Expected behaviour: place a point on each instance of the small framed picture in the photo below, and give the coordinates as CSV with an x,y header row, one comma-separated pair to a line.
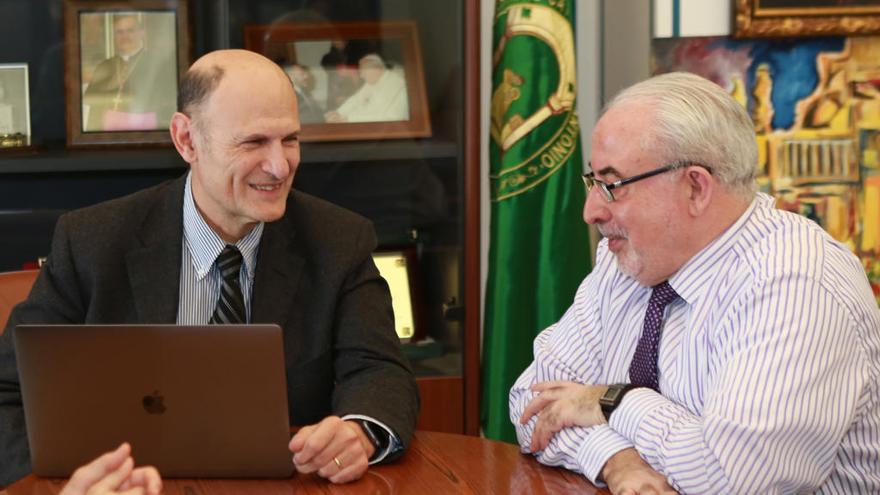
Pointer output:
x,y
15,114
783,18
122,62
353,80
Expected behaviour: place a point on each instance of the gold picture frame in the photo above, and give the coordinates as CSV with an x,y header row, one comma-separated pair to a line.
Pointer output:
x,y
122,62
15,107
354,80
783,18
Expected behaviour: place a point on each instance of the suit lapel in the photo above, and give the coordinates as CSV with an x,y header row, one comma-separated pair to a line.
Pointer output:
x,y
154,268
279,268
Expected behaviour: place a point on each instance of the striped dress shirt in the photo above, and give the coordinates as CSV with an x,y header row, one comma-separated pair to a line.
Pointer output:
x,y
769,366
200,278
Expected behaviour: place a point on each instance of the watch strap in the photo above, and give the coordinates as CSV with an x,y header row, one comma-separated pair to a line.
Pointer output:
x,y
376,435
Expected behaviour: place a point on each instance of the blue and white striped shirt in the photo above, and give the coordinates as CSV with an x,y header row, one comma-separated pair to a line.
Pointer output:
x,y
200,279
769,366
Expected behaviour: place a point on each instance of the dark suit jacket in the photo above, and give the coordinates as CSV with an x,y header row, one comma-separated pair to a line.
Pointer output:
x,y
119,262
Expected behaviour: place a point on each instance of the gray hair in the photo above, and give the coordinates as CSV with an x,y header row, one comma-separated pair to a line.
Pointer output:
x,y
696,122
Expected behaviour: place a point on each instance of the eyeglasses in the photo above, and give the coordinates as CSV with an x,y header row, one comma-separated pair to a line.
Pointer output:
x,y
590,180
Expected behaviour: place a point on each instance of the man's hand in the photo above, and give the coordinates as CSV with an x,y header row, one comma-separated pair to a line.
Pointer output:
x,y
338,450
114,473
559,405
627,474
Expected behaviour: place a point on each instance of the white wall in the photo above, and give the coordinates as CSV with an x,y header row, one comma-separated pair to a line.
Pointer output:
x,y
696,18
487,17
626,44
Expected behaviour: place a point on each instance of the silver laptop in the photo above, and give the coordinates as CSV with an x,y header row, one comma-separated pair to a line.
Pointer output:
x,y
194,401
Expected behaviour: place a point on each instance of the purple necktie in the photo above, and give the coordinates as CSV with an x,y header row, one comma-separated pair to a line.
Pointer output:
x,y
643,369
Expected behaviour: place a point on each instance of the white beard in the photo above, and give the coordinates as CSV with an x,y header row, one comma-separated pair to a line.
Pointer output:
x,y
629,263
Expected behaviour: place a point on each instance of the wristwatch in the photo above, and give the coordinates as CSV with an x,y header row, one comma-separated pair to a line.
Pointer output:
x,y
612,397
376,435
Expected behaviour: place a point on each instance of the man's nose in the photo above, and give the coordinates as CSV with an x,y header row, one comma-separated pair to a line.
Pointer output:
x,y
275,162
596,207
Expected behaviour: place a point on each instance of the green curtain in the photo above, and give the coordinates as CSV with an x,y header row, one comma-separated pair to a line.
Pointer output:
x,y
539,250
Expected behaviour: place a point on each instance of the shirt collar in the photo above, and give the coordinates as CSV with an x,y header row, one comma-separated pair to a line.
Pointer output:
x,y
205,245
691,277
132,55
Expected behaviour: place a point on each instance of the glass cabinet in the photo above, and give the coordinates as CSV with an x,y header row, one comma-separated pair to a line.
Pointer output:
x,y
415,174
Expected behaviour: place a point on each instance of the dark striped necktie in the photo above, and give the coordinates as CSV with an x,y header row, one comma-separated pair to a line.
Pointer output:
x,y
643,368
230,305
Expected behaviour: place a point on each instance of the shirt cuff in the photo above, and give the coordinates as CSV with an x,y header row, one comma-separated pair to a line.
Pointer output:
x,y
601,443
636,405
394,443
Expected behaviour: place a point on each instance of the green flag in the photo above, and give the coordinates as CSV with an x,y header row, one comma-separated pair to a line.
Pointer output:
x,y
539,250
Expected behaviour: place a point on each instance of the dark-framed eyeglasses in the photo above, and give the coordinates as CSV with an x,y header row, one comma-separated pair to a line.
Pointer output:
x,y
606,187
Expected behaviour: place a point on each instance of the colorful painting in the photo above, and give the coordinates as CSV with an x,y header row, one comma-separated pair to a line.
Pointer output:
x,y
815,105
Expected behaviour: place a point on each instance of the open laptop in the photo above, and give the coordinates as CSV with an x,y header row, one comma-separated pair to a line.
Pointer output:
x,y
194,401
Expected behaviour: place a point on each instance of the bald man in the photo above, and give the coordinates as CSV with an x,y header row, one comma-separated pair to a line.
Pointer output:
x,y
306,265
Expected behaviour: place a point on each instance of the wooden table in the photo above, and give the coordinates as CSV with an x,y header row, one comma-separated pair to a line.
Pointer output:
x,y
436,464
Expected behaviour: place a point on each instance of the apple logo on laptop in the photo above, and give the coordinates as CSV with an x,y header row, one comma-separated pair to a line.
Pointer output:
x,y
154,403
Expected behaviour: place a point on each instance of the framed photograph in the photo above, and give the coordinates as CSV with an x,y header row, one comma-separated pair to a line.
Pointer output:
x,y
398,268
780,18
15,114
356,80
122,62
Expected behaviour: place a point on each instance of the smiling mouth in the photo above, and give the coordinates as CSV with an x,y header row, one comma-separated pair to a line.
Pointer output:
x,y
267,187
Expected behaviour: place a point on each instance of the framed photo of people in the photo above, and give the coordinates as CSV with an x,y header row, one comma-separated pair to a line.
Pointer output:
x,y
783,18
15,115
122,62
353,80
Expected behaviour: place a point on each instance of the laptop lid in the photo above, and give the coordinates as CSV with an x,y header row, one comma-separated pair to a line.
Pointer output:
x,y
194,401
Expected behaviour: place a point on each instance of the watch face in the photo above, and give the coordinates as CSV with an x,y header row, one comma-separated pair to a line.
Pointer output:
x,y
612,394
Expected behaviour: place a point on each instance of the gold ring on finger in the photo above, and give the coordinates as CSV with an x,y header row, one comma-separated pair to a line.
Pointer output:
x,y
338,463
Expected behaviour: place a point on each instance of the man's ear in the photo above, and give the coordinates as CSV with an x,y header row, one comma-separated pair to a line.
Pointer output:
x,y
701,188
182,136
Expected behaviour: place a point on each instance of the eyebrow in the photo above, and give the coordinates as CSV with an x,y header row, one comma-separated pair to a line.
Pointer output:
x,y
608,170
258,136
250,137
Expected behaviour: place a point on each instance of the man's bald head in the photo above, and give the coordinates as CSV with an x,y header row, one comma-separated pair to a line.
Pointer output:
x,y
238,128
205,75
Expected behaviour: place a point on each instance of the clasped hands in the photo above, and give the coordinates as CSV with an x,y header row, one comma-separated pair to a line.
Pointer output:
x,y
559,405
562,404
